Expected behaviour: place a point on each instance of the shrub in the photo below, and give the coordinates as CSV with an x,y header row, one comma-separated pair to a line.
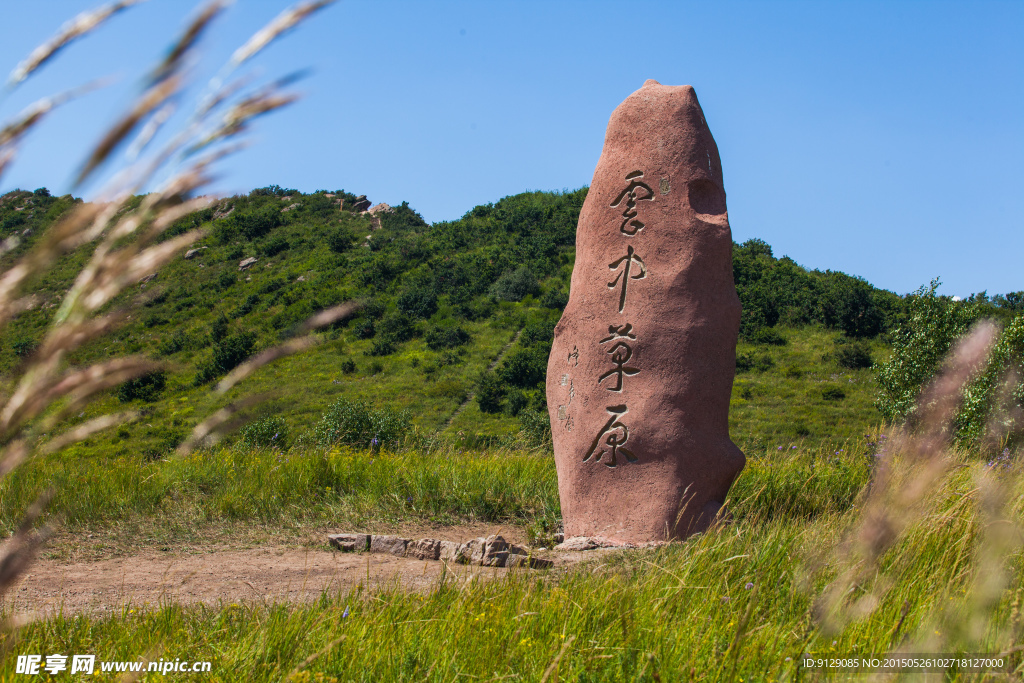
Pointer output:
x,y
179,341
515,285
246,306
226,279
768,336
364,329
746,362
446,337
833,394
228,354
515,401
219,328
266,432
23,347
538,333
479,308
396,325
348,366
523,368
490,393
554,298
256,224
274,246
383,346
854,355
339,240
145,387
418,302
356,424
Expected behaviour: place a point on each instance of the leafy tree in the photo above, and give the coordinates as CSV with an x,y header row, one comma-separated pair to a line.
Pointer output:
x,y
919,345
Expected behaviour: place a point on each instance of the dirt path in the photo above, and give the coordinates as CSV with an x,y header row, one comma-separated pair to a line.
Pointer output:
x,y
222,574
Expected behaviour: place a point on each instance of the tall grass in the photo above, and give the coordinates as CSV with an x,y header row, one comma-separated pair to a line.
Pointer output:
x,y
342,486
741,602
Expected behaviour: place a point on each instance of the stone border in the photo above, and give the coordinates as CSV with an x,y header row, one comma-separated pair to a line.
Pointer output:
x,y
492,551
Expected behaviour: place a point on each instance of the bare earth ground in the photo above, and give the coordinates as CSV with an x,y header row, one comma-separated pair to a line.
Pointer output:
x,y
103,573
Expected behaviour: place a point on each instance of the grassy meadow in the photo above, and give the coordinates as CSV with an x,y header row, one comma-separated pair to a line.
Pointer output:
x,y
743,601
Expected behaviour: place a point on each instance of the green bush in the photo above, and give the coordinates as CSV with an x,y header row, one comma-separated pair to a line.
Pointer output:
x,y
768,336
523,368
226,279
274,246
554,298
417,302
396,325
228,353
246,306
854,355
515,285
339,240
267,432
383,345
179,341
833,394
490,393
219,329
348,366
364,329
23,347
515,401
356,424
745,362
145,388
258,223
446,337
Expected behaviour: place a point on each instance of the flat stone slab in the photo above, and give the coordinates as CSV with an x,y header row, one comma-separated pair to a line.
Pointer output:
x,y
393,545
424,549
350,542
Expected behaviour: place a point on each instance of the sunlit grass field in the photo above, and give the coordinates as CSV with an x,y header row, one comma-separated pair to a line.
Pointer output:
x,y
743,601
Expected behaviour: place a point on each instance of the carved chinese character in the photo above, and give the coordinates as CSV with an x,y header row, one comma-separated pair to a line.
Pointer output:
x,y
630,257
574,357
615,435
620,353
636,191
619,331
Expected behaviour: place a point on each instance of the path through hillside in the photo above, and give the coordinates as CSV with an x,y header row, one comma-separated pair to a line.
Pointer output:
x,y
471,395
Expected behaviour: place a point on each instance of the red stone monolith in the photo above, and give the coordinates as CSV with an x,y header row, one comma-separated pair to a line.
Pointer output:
x,y
642,364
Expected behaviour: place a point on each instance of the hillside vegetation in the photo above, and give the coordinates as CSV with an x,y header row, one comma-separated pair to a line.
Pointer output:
x,y
454,330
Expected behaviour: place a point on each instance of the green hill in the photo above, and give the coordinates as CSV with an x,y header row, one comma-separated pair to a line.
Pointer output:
x,y
455,325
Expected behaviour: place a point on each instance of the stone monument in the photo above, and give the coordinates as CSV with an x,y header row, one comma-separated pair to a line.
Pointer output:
x,y
642,364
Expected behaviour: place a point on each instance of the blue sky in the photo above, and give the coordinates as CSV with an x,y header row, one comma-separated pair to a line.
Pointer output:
x,y
883,139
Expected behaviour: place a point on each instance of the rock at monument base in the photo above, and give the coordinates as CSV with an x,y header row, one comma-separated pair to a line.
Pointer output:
x,y
450,551
350,542
474,549
388,544
641,368
424,549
